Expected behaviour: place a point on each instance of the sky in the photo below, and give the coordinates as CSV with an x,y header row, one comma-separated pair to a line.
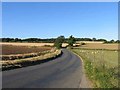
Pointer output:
x,y
52,19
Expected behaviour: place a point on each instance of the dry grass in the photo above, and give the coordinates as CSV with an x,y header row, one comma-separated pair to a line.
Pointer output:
x,y
100,46
11,52
20,54
30,44
89,41
26,44
14,49
18,62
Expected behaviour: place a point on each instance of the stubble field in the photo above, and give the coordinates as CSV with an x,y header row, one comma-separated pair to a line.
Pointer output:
x,y
100,46
17,49
17,55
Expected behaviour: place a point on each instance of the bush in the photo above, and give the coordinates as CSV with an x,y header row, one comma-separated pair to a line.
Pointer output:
x,y
58,45
59,41
71,40
83,43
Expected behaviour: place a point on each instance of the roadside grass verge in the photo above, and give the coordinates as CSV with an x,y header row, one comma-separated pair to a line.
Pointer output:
x,y
101,67
18,63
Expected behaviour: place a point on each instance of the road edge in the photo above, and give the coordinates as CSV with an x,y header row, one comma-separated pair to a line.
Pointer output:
x,y
85,82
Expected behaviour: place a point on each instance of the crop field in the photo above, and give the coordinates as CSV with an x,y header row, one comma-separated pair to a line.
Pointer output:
x,y
100,46
26,44
101,66
14,49
17,56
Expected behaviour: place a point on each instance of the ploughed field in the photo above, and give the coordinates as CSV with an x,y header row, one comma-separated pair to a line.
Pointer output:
x,y
14,49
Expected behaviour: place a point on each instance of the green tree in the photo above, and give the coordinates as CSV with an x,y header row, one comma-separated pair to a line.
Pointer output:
x,y
112,41
117,41
59,41
16,40
94,39
71,40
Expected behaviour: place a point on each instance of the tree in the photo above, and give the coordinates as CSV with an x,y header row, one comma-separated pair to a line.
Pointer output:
x,y
59,41
102,40
71,40
117,41
94,39
112,41
16,39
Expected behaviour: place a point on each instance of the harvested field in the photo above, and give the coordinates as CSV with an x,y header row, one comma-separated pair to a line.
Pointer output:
x,y
99,46
14,49
27,44
20,55
18,63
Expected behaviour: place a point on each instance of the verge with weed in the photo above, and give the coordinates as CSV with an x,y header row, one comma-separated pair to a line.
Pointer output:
x,y
101,67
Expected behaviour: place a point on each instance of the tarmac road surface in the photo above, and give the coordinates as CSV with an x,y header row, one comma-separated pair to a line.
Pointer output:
x,y
62,72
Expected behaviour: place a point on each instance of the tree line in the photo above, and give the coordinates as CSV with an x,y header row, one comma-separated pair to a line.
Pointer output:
x,y
27,40
57,41
52,40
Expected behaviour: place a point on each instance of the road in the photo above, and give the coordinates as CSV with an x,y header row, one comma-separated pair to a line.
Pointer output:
x,y
63,72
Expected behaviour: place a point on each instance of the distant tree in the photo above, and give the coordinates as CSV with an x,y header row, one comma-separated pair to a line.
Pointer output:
x,y
117,41
16,39
112,41
106,41
101,40
7,39
59,41
94,39
71,40
83,43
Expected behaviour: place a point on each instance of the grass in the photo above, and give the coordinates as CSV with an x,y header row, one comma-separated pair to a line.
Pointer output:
x,y
101,67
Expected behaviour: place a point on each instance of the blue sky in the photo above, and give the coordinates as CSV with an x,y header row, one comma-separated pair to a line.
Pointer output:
x,y
49,20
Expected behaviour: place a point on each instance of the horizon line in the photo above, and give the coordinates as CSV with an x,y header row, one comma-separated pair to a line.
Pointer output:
x,y
58,36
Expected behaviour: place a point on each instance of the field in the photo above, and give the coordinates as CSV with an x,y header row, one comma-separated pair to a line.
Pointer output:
x,y
101,66
21,54
27,44
88,45
14,49
95,45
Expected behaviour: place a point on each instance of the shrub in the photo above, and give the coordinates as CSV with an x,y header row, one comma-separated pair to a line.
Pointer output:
x,y
83,43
